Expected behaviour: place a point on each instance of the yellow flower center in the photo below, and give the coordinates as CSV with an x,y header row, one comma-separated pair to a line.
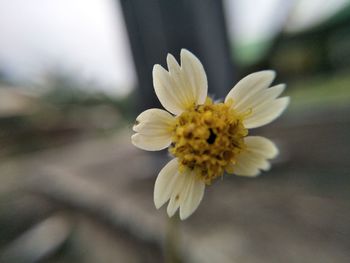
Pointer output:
x,y
207,139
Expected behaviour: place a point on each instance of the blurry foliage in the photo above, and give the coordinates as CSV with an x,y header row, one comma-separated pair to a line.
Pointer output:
x,y
321,91
321,49
67,91
68,108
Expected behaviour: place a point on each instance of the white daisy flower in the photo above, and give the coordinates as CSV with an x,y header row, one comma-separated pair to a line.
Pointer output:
x,y
205,138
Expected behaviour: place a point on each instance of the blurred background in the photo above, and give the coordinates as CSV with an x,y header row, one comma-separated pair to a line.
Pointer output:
x,y
75,74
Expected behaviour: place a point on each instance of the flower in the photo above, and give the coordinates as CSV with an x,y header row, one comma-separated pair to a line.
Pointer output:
x,y
205,138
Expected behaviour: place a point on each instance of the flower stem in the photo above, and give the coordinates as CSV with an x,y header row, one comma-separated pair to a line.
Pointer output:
x,y
171,247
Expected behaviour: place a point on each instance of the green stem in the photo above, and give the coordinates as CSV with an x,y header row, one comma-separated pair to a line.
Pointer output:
x,y
171,248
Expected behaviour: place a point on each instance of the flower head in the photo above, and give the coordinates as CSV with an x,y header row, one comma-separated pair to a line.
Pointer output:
x,y
206,139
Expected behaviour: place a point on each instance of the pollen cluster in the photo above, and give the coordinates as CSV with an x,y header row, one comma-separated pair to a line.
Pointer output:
x,y
207,139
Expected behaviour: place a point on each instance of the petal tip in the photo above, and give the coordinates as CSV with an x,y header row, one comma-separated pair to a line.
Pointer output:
x,y
184,217
274,152
287,99
270,71
155,67
266,74
171,211
134,127
136,140
157,204
284,104
133,137
170,59
185,51
157,70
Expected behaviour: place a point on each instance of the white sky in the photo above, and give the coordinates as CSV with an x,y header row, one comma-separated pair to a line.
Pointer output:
x,y
255,20
88,36
85,36
308,13
250,21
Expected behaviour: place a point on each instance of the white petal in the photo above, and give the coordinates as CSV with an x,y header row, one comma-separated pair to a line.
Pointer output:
x,y
153,121
149,142
192,198
182,190
261,97
182,86
244,168
164,184
255,157
181,180
166,92
262,146
266,113
194,75
252,95
153,129
250,85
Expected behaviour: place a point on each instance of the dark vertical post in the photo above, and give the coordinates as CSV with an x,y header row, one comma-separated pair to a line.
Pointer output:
x,y
213,45
148,44
158,27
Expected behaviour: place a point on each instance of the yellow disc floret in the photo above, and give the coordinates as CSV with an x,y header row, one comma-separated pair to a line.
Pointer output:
x,y
207,139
